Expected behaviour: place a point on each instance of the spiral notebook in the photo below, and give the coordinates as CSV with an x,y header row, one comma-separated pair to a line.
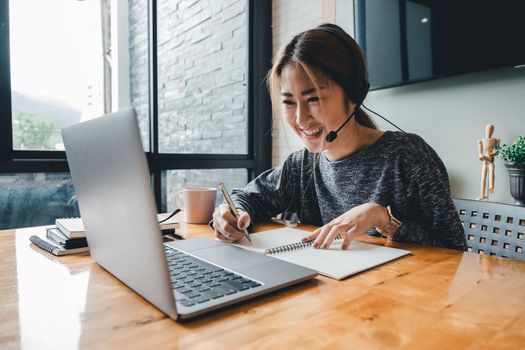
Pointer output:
x,y
54,248
285,244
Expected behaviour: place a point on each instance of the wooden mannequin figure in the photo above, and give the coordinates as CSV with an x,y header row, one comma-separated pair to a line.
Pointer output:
x,y
487,151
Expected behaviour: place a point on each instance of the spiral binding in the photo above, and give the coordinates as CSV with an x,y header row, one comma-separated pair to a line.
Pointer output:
x,y
292,246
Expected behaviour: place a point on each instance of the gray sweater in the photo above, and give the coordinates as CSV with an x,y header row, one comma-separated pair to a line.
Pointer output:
x,y
400,170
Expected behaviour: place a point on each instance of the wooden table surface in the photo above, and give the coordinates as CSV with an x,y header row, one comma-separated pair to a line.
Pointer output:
x,y
434,298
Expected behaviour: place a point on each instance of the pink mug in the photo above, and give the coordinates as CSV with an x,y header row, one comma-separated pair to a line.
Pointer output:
x,y
199,204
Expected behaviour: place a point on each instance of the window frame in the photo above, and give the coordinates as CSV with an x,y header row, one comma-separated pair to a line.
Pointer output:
x,y
259,111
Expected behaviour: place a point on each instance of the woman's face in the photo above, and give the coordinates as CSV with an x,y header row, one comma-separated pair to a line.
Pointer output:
x,y
301,105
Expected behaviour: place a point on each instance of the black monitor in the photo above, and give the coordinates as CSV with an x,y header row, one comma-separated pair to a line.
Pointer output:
x,y
407,41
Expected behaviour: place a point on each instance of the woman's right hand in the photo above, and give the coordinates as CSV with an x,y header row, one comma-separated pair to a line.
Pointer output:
x,y
227,227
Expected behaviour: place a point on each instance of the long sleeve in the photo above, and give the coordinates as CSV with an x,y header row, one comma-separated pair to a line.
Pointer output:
x,y
433,219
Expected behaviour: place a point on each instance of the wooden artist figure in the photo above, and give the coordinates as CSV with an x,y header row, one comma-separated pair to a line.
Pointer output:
x,y
487,151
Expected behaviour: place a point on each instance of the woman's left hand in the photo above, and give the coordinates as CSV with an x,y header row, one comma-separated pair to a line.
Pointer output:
x,y
354,222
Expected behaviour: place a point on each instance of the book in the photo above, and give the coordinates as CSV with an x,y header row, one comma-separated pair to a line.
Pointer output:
x,y
285,244
71,227
57,236
74,227
52,247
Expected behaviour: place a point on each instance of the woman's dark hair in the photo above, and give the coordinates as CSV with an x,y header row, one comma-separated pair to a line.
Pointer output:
x,y
325,51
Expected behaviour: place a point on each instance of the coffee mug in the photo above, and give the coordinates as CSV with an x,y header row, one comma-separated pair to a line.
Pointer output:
x,y
199,204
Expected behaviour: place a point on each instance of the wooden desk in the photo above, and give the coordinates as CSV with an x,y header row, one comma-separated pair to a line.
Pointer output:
x,y
436,298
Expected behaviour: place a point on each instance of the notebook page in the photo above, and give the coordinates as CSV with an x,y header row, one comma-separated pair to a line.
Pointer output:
x,y
272,239
337,263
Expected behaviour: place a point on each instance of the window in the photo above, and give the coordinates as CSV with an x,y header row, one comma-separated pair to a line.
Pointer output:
x,y
57,76
193,71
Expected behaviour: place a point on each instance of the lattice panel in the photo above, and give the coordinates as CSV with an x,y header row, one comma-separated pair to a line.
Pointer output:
x,y
493,228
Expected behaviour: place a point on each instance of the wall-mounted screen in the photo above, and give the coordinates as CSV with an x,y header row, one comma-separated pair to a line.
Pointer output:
x,y
406,41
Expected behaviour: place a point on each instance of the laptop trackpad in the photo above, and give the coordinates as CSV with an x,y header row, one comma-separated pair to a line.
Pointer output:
x,y
230,257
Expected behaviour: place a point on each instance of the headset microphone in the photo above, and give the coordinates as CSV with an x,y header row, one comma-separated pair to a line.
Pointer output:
x,y
361,88
332,135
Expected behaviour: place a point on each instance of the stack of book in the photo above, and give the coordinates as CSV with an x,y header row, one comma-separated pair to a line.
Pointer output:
x,y
68,235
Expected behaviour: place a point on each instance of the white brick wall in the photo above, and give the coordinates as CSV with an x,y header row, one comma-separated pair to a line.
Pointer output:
x,y
290,17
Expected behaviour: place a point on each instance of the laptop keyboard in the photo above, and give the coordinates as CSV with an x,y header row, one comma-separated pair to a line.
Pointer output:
x,y
199,281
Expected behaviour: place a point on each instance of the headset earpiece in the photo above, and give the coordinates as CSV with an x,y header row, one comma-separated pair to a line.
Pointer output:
x,y
364,91
359,89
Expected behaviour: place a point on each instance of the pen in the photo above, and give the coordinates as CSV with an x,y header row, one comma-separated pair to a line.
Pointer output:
x,y
234,211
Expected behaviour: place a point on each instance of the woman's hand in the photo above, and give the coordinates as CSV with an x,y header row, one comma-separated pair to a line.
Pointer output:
x,y
354,222
227,227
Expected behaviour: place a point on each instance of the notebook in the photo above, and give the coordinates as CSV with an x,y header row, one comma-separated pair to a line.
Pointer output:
x,y
54,248
74,227
285,244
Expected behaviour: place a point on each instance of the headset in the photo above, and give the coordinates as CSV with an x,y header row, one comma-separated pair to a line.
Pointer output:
x,y
360,87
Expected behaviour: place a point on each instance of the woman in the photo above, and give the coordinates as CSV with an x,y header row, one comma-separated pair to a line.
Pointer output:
x,y
350,177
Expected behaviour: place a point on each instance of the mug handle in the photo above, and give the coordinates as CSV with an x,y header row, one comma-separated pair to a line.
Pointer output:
x,y
178,203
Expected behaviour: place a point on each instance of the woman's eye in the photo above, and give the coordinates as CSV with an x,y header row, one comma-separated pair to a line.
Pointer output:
x,y
287,103
313,99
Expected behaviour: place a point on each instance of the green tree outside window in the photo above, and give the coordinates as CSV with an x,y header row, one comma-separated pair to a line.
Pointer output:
x,y
31,132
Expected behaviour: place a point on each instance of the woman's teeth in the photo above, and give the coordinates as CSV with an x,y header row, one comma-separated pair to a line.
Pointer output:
x,y
312,132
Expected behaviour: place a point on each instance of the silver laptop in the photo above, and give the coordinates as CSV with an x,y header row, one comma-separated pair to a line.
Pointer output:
x,y
183,278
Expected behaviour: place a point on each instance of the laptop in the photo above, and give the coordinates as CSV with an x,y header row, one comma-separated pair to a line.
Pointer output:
x,y
183,278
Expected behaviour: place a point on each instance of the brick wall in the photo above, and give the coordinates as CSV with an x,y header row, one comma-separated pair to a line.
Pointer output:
x,y
202,69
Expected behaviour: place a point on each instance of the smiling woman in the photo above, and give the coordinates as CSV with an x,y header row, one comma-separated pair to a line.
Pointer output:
x,y
351,177
313,111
